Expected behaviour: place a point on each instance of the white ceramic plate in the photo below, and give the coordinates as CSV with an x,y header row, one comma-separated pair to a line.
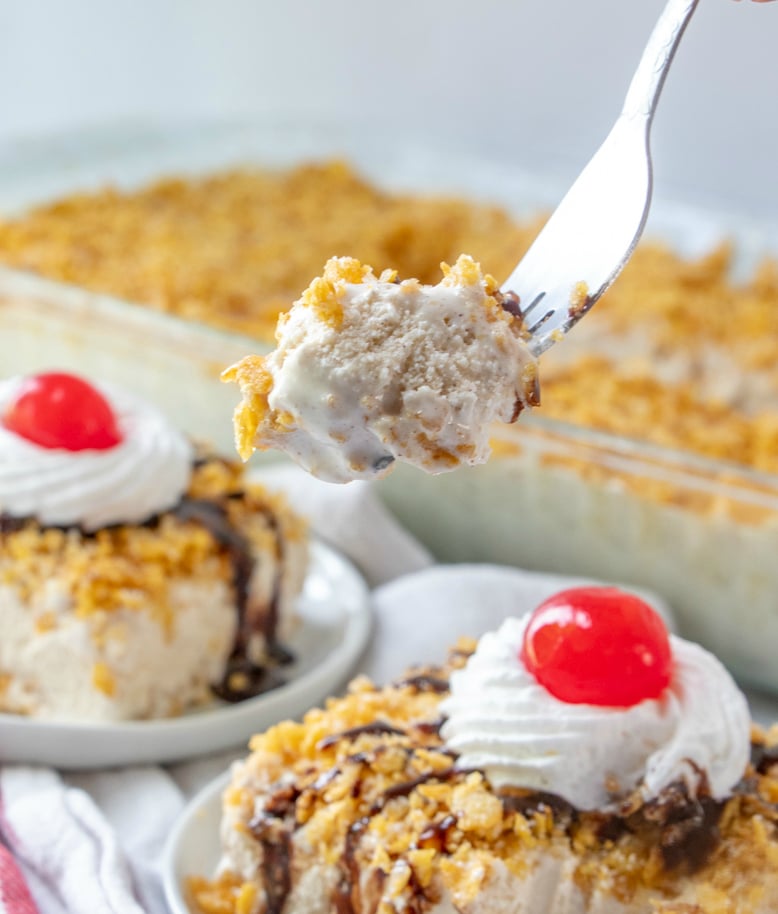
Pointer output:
x,y
334,611
193,848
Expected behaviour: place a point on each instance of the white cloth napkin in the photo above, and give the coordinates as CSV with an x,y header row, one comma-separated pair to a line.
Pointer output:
x,y
92,842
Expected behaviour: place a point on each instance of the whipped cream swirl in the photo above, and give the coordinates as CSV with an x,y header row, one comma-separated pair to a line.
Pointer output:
x,y
503,722
146,473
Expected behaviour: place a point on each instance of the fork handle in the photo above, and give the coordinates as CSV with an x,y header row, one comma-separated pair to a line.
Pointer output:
x,y
646,86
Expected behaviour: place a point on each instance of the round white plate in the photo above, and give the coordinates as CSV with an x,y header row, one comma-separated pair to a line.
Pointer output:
x,y
193,848
334,612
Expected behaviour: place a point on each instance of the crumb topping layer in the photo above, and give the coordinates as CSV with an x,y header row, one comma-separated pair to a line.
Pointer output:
x,y
130,567
678,354
235,248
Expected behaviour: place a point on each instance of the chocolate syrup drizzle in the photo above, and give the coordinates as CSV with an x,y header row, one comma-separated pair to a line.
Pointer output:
x,y
688,831
10,524
763,757
253,679
347,898
242,678
425,683
378,728
272,827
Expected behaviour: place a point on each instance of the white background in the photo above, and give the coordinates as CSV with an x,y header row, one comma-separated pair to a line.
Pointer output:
x,y
539,81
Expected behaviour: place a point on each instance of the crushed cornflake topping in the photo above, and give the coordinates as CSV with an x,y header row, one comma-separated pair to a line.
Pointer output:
x,y
579,298
600,394
689,311
255,382
367,784
131,567
234,249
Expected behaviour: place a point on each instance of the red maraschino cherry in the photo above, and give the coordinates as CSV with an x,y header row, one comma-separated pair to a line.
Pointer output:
x,y
598,646
60,410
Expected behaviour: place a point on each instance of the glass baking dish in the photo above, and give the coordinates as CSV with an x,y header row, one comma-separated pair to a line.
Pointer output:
x,y
557,497
554,496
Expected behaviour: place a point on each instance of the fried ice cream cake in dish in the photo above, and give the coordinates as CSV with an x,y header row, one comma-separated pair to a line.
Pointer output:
x,y
139,578
578,760
372,369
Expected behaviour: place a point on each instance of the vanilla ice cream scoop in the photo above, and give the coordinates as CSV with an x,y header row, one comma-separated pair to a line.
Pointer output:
x,y
369,370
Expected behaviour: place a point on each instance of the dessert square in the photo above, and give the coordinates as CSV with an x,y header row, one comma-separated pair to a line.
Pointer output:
x,y
137,581
432,794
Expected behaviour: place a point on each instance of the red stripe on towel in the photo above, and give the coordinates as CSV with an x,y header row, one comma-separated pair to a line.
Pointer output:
x,y
15,897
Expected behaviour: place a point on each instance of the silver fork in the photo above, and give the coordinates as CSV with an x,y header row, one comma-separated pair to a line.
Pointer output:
x,y
593,232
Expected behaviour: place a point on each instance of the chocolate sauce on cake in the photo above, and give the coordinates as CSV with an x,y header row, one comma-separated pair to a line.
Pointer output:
x,y
378,728
527,803
404,788
275,840
437,834
430,727
213,516
510,302
345,898
763,757
243,678
10,524
684,828
425,683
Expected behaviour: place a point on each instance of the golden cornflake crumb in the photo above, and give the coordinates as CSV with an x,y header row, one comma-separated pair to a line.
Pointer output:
x,y
599,394
234,250
255,382
103,679
346,270
225,896
216,478
246,900
579,298
465,272
45,622
322,297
